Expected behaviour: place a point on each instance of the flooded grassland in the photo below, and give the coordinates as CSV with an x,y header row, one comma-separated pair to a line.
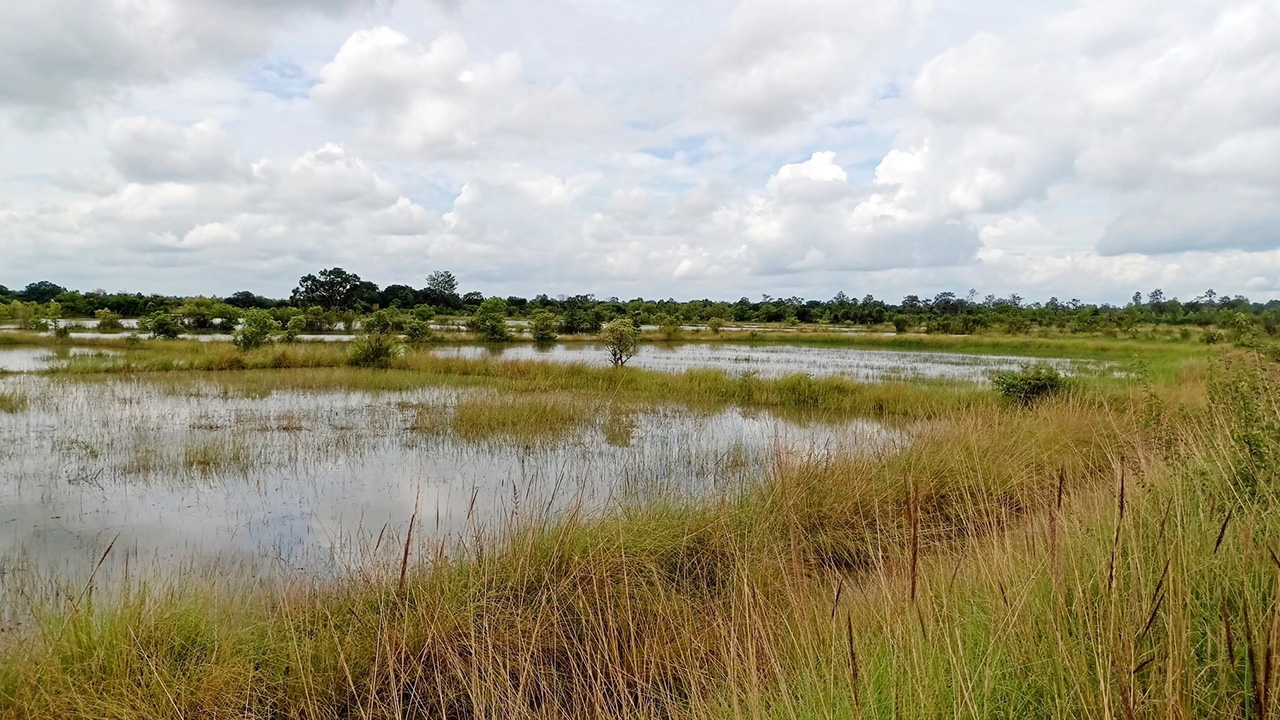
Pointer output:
x,y
187,530
181,470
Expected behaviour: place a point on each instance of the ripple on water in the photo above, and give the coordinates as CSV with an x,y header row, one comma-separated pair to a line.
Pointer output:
x,y
190,472
776,360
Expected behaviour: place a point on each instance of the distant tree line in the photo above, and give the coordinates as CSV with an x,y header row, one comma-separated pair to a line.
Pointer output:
x,y
334,298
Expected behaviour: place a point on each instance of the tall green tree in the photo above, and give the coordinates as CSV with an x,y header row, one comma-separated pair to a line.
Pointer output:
x,y
335,289
41,292
441,290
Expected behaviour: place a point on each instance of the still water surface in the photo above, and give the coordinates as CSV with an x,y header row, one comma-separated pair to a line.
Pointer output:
x,y
184,473
776,360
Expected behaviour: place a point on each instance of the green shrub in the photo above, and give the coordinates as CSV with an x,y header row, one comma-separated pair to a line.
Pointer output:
x,y
383,321
490,320
373,350
1029,383
296,326
668,327
417,330
542,325
108,321
715,325
1017,325
255,330
621,339
901,323
160,325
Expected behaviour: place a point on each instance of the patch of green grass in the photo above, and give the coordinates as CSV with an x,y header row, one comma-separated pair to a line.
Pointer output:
x,y
524,419
13,402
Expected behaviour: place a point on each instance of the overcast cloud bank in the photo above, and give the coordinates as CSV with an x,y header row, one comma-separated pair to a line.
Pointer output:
x,y
1083,149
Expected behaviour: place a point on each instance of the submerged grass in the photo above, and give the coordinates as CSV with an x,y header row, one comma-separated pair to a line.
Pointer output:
x,y
324,368
1104,553
523,419
13,402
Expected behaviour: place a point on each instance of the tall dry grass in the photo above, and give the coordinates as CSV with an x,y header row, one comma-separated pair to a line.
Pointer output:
x,y
678,607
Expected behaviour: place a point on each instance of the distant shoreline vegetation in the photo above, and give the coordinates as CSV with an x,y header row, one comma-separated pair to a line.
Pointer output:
x,y
335,299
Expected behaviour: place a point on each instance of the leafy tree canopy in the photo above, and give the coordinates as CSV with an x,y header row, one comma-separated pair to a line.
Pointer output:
x,y
336,289
41,292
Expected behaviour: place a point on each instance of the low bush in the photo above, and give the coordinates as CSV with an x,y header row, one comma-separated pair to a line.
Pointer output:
x,y
108,321
373,350
1029,383
295,327
161,325
417,331
256,330
542,326
490,321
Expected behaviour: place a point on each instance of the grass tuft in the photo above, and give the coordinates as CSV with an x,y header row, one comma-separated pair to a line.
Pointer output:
x,y
13,402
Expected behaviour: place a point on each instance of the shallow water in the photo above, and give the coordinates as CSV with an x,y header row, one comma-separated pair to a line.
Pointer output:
x,y
185,474
776,360
35,359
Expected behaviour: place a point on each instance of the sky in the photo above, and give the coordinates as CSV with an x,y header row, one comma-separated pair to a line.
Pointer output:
x,y
687,149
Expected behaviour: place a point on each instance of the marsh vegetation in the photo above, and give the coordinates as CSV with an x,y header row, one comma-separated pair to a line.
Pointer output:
x,y
846,527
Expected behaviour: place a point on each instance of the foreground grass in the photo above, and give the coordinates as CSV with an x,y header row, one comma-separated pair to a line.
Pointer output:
x,y
1102,554
657,609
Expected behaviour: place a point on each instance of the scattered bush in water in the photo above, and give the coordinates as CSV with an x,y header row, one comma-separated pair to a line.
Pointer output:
x,y
62,331
577,320
417,330
383,321
542,325
490,320
160,325
621,338
901,323
108,321
668,327
715,325
295,327
373,350
255,330
1029,383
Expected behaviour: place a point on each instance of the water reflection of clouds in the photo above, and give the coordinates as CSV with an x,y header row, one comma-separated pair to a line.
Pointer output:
x,y
187,473
777,360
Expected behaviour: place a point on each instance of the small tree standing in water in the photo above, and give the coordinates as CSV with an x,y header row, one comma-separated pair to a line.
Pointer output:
x,y
542,325
490,320
621,339
161,325
255,330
